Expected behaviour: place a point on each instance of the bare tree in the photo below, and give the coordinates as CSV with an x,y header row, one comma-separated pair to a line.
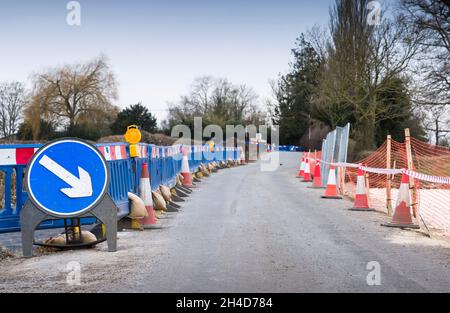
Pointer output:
x,y
12,101
432,19
217,101
73,94
365,69
437,122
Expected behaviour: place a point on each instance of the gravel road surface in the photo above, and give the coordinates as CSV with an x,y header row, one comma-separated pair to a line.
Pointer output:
x,y
245,230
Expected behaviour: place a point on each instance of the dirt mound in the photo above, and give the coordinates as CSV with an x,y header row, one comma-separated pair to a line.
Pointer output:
x,y
156,139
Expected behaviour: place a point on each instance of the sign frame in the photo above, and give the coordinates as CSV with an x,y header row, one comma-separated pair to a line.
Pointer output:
x,y
103,208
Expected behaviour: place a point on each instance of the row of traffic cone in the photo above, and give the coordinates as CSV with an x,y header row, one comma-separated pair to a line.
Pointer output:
x,y
145,192
178,193
402,217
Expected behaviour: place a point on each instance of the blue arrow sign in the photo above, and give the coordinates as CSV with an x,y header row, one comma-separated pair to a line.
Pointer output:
x,y
67,177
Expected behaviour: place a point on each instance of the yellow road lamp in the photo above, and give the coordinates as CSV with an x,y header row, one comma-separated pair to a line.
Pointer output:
x,y
133,136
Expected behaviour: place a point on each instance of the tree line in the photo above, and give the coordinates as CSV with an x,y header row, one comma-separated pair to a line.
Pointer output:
x,y
218,102
379,73
71,100
381,77
77,100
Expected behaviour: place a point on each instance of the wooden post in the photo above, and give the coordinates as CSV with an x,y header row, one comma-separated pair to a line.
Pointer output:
x,y
412,184
342,178
315,161
389,177
367,182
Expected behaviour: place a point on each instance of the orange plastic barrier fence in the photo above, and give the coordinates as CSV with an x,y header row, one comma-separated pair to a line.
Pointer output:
x,y
432,199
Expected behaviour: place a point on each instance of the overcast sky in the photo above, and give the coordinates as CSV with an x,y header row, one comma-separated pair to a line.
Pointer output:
x,y
157,48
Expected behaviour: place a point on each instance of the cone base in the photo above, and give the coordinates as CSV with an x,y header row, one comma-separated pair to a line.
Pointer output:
x,y
307,181
332,197
171,203
177,199
313,187
362,210
171,209
394,225
191,185
152,226
184,192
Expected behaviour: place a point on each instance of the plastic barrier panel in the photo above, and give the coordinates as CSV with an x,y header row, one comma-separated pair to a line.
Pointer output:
x,y
164,165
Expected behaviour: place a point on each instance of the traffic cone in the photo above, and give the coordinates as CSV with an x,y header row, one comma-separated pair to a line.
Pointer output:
x,y
331,191
402,217
317,181
307,175
361,198
185,171
302,168
145,193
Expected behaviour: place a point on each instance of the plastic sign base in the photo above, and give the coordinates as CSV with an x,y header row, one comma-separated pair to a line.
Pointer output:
x,y
31,216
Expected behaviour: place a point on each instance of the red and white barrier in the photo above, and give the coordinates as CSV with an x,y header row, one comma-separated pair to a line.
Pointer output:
x,y
112,153
16,156
385,171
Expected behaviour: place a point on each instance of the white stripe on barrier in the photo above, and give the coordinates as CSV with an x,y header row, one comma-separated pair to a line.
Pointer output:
x,y
383,171
8,157
428,178
118,152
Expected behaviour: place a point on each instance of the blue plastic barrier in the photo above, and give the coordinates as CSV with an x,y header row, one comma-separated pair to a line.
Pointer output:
x,y
164,165
287,149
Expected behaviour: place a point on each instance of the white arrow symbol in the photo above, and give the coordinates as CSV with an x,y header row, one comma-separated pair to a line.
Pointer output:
x,y
80,187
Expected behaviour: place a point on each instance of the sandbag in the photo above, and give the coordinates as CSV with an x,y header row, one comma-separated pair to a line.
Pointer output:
x,y
57,240
159,203
87,237
165,191
205,171
138,209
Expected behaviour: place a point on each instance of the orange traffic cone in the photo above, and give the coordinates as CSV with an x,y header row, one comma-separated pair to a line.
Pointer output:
x,y
331,191
307,175
301,172
361,198
402,217
317,181
185,171
145,193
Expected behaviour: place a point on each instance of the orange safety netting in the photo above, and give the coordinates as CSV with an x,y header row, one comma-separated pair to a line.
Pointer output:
x,y
433,199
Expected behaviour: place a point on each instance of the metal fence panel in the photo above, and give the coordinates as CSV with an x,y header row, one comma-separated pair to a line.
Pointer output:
x,y
334,149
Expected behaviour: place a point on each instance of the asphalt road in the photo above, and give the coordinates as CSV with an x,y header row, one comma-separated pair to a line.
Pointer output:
x,y
245,230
